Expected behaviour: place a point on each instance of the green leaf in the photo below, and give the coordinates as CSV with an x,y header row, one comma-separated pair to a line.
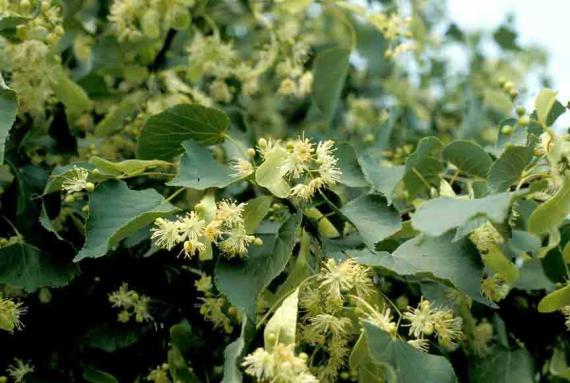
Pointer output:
x,y
283,324
127,168
439,215
350,167
242,283
555,300
329,71
199,170
163,133
437,257
72,95
544,103
410,364
25,266
255,210
93,375
495,260
115,212
382,178
508,168
373,218
178,368
111,337
232,354
503,366
114,119
181,336
468,157
268,176
549,215
8,111
423,166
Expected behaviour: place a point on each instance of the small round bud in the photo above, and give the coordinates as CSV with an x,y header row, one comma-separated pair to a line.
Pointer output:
x,y
271,337
69,198
97,279
501,81
524,121
258,241
513,93
520,111
303,355
507,130
389,54
344,375
232,311
89,186
369,138
96,172
85,209
44,295
508,86
262,142
251,152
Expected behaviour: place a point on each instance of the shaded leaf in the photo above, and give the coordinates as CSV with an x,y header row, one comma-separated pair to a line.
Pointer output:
x,y
163,133
25,266
382,178
350,167
509,167
503,366
423,166
92,375
242,283
469,157
329,71
115,212
8,111
255,210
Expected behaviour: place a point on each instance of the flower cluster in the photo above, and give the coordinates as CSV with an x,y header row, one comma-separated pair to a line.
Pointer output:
x,y
425,320
214,307
10,313
131,304
566,311
226,230
159,374
75,181
494,287
280,365
133,20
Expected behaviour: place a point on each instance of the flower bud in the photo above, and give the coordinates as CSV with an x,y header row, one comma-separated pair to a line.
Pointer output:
x,y
251,152
89,186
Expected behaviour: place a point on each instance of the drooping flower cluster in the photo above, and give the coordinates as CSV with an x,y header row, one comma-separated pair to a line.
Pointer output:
x,y
281,365
10,313
214,307
226,230
425,320
566,311
130,304
159,374
324,324
494,287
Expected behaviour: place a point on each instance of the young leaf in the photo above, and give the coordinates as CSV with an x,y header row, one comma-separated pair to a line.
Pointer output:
x,y
555,300
410,364
233,353
550,214
372,217
126,167
544,103
268,175
329,71
115,212
163,133
469,157
282,326
350,167
255,210
452,212
27,267
8,111
199,170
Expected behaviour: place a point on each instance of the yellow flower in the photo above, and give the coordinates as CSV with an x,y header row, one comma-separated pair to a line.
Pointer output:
x,y
165,234
10,313
76,180
242,168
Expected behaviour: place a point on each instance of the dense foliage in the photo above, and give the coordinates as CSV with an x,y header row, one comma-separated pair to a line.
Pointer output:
x,y
277,191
